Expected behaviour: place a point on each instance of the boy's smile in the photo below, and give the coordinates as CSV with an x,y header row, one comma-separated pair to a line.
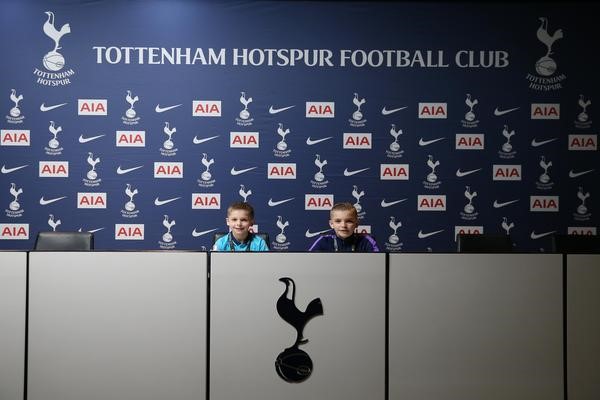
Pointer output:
x,y
239,223
343,223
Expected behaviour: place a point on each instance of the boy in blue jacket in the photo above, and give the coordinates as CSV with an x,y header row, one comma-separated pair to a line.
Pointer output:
x,y
240,217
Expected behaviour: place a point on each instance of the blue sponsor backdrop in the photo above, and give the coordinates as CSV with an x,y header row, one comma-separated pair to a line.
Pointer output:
x,y
431,117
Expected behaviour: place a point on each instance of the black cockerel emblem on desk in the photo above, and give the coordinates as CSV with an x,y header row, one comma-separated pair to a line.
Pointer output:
x,y
294,365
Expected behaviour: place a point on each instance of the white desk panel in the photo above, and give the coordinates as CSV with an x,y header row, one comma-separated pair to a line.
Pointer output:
x,y
113,326
472,326
13,282
346,344
583,327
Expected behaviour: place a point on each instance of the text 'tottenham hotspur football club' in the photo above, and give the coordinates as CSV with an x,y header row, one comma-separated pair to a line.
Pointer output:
x,y
301,57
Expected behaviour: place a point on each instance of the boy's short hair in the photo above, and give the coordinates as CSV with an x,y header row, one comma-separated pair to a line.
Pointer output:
x,y
344,207
239,205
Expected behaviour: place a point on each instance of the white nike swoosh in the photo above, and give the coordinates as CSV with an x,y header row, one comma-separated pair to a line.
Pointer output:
x,y
240,171
499,113
160,109
278,110
388,112
310,142
428,142
158,202
535,143
9,170
540,235
573,174
350,173
500,205
122,171
310,234
45,202
391,203
91,230
196,234
460,173
198,141
276,203
44,108
89,139
422,235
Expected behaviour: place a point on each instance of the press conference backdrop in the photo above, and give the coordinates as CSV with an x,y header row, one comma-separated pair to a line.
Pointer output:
x,y
141,121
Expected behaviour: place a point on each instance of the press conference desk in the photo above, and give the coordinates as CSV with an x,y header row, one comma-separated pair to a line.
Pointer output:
x,y
109,325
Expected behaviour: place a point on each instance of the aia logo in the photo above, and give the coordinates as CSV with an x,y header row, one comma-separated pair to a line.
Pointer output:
x,y
91,200
433,110
281,171
543,203
318,201
92,107
130,139
129,231
394,172
14,231
431,202
206,108
243,140
581,230
469,230
168,170
363,229
545,111
53,169
357,140
320,109
469,141
583,142
9,137
206,201
506,172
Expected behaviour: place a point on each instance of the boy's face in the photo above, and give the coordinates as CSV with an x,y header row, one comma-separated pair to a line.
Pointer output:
x,y
239,222
343,223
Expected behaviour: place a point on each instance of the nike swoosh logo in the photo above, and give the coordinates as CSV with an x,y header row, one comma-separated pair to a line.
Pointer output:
x,y
91,230
278,110
460,173
158,202
240,171
422,235
573,174
44,108
310,234
500,205
498,112
540,235
198,141
9,170
160,109
310,142
428,142
89,139
122,171
49,201
388,112
350,173
276,203
385,204
196,234
535,143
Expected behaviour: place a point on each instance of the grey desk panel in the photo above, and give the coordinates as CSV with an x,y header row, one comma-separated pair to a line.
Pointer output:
x,y
114,326
346,344
583,327
470,326
13,275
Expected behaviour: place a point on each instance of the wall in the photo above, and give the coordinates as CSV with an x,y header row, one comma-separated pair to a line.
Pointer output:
x,y
474,118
